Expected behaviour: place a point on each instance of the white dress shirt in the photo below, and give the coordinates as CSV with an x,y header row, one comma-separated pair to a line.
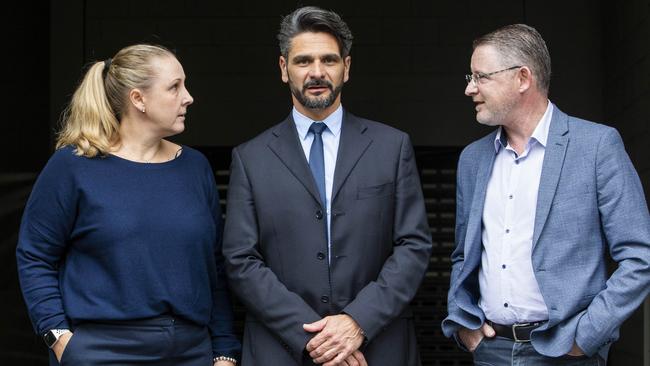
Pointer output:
x,y
509,292
331,137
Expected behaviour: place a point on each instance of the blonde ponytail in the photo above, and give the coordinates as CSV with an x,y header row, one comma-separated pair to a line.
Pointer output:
x,y
91,122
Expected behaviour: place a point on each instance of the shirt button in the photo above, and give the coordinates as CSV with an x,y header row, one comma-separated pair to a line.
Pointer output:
x,y
503,266
507,231
517,162
324,299
510,196
319,215
505,305
320,255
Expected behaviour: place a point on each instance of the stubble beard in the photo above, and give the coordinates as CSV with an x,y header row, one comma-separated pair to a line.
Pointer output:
x,y
318,102
495,116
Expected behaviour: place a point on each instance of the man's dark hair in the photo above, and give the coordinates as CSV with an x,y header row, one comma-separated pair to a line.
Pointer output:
x,y
314,19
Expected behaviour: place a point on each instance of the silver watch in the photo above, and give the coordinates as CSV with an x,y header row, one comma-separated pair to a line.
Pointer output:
x,y
53,335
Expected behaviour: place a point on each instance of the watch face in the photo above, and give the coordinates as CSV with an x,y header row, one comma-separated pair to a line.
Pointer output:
x,y
50,339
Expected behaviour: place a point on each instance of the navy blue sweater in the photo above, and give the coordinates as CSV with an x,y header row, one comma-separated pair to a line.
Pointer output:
x,y
111,239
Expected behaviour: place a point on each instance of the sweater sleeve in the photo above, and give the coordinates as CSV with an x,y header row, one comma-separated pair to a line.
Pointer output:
x,y
47,222
224,341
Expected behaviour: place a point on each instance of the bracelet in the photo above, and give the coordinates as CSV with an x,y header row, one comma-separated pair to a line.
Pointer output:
x,y
224,358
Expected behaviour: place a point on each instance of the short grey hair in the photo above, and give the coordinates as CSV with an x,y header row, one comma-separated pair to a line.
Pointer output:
x,y
314,19
521,44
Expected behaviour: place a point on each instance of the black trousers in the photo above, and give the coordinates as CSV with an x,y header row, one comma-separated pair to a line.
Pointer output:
x,y
163,341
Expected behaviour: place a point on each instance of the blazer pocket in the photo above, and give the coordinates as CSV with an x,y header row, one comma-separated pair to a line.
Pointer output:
x,y
375,191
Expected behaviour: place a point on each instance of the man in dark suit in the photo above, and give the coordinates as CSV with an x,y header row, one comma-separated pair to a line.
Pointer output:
x,y
326,238
542,202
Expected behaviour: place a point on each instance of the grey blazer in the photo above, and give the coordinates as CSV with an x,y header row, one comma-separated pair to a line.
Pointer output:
x,y
276,250
590,204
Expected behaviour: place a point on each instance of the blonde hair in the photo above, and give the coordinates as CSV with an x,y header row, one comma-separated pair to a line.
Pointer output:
x,y
91,121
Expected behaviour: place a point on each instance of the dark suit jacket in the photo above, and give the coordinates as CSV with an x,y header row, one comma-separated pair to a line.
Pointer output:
x,y
276,250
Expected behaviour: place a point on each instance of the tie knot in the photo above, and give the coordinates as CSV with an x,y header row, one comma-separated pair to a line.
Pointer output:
x,y
317,128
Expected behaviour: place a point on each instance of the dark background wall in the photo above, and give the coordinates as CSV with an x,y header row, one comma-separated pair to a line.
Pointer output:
x,y
409,59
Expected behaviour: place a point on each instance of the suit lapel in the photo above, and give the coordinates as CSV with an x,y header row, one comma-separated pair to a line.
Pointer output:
x,y
558,140
352,145
288,149
478,200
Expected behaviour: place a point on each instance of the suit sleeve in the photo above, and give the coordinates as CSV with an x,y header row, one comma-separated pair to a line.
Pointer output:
x,y
451,324
224,341
264,296
382,300
626,225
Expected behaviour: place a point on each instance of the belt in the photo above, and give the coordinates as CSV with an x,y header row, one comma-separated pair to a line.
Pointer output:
x,y
518,332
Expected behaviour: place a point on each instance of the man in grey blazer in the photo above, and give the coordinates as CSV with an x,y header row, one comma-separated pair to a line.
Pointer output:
x,y
326,238
541,202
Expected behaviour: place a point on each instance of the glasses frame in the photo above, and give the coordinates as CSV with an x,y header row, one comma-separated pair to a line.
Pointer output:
x,y
476,77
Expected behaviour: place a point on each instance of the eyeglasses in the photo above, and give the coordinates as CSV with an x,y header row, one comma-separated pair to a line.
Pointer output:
x,y
476,78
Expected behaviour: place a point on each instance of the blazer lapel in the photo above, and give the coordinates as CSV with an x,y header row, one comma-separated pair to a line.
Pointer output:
x,y
352,145
288,149
475,219
556,146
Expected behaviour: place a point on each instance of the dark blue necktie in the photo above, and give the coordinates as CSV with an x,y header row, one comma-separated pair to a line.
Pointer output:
x,y
317,159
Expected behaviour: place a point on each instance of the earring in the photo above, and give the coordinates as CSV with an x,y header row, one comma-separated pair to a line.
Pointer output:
x,y
142,109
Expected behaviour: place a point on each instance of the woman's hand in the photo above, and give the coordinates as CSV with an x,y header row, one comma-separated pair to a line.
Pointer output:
x,y
61,344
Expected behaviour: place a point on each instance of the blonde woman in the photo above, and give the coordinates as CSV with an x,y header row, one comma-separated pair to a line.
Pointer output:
x,y
119,252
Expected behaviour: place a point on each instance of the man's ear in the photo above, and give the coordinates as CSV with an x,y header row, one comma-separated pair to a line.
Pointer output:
x,y
347,62
525,77
283,69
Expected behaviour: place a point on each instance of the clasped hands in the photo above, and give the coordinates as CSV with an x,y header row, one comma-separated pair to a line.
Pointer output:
x,y
337,341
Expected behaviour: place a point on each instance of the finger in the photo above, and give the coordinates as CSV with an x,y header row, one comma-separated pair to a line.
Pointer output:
x,y
351,361
316,326
338,359
328,357
358,356
487,330
317,341
323,354
319,346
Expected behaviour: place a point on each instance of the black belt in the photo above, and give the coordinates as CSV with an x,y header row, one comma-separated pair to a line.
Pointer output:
x,y
518,332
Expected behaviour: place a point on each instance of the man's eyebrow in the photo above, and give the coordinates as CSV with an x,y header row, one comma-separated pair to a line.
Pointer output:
x,y
300,58
331,56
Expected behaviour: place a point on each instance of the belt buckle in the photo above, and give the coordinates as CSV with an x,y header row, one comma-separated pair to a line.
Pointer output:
x,y
514,332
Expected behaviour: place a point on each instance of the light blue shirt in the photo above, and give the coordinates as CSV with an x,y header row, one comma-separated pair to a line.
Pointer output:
x,y
509,291
331,137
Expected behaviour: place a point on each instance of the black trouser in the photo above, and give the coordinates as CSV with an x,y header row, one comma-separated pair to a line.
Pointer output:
x,y
159,341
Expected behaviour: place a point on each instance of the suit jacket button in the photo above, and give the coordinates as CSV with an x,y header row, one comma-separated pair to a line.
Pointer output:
x,y
320,255
324,299
319,214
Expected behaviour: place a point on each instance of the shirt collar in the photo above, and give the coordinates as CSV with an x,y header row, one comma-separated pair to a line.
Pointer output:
x,y
540,134
333,122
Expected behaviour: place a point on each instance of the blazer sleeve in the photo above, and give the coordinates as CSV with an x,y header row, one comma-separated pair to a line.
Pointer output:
x,y
384,299
47,222
264,295
224,341
451,324
626,225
